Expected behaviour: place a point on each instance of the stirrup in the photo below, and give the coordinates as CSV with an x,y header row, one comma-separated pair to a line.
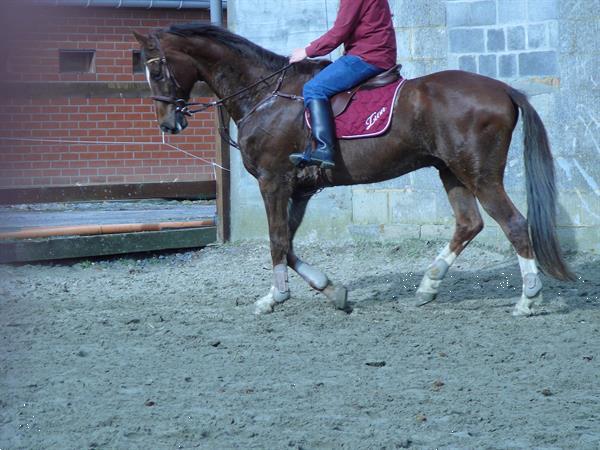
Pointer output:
x,y
322,158
301,160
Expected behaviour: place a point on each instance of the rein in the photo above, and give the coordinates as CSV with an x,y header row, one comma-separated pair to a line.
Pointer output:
x,y
188,112
183,106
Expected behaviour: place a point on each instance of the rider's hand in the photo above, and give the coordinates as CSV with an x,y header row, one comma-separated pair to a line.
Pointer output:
x,y
298,54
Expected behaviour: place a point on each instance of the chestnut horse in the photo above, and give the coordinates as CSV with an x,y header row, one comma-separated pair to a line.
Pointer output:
x,y
458,122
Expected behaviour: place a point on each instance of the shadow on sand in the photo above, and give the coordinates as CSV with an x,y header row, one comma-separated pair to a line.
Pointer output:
x,y
501,281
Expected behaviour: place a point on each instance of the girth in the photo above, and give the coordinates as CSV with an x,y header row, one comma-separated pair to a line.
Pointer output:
x,y
339,102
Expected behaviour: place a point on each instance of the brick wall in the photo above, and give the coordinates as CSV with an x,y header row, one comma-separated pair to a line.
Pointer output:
x,y
132,148
141,158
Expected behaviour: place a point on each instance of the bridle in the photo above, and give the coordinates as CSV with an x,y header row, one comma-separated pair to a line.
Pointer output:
x,y
183,107
167,72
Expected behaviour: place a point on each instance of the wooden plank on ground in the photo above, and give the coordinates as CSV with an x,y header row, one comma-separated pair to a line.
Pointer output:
x,y
103,245
183,190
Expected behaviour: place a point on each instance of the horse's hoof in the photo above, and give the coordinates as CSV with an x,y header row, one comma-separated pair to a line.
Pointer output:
x,y
266,304
424,298
338,295
263,306
523,308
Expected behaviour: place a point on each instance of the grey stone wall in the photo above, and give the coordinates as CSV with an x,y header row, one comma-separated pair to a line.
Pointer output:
x,y
504,39
548,48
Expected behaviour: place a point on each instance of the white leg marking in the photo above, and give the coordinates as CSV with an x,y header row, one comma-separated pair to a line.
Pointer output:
x,y
278,293
531,290
447,255
527,265
434,275
265,304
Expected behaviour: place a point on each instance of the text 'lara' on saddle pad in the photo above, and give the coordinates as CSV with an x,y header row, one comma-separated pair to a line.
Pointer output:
x,y
368,114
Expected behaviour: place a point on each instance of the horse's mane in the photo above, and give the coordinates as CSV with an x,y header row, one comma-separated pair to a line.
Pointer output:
x,y
237,43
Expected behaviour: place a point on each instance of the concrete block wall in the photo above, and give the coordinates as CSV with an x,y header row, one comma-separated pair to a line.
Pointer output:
x,y
504,39
548,48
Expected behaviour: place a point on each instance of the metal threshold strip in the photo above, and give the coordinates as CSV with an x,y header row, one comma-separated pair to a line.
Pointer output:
x,y
145,4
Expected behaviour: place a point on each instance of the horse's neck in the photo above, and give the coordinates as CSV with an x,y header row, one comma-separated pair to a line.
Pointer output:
x,y
227,79
229,82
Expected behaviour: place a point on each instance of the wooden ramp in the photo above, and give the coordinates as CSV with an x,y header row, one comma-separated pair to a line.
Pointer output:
x,y
183,215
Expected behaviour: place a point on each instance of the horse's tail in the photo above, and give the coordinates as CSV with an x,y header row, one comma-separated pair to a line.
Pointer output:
x,y
541,191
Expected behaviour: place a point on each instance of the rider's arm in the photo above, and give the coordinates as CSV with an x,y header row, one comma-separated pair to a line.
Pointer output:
x,y
344,26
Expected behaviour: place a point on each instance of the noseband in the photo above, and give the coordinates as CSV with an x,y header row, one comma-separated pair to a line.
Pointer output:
x,y
180,104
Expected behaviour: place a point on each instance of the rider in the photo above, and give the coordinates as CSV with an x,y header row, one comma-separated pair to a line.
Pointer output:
x,y
366,30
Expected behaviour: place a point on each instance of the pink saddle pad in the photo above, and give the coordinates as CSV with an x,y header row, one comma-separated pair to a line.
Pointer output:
x,y
368,114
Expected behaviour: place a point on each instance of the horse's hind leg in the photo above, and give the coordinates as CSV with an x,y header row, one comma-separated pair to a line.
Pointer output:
x,y
468,225
312,275
496,202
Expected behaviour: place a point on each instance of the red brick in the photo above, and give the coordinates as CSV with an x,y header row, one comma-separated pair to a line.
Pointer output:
x,y
78,164
87,119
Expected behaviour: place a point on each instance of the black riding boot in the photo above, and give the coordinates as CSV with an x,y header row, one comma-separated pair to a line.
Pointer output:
x,y
323,131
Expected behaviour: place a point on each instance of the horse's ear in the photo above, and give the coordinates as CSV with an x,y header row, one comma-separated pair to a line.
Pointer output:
x,y
143,40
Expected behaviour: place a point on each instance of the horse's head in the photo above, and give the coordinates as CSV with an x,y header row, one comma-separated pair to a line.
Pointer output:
x,y
171,75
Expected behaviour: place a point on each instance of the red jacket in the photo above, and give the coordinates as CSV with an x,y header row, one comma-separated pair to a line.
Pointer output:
x,y
366,30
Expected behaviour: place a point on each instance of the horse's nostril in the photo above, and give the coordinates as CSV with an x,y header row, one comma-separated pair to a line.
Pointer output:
x,y
169,129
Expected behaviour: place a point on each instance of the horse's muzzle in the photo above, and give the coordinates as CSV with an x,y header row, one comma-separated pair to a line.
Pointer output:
x,y
174,126
172,130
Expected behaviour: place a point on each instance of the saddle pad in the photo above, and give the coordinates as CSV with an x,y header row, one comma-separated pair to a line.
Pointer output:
x,y
368,114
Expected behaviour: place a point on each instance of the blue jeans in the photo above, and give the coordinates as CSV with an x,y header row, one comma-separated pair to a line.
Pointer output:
x,y
345,73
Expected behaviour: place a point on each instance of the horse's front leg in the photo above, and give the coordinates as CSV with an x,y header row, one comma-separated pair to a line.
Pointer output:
x,y
276,194
316,278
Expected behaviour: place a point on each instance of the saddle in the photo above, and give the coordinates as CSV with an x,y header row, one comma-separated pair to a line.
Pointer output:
x,y
339,102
